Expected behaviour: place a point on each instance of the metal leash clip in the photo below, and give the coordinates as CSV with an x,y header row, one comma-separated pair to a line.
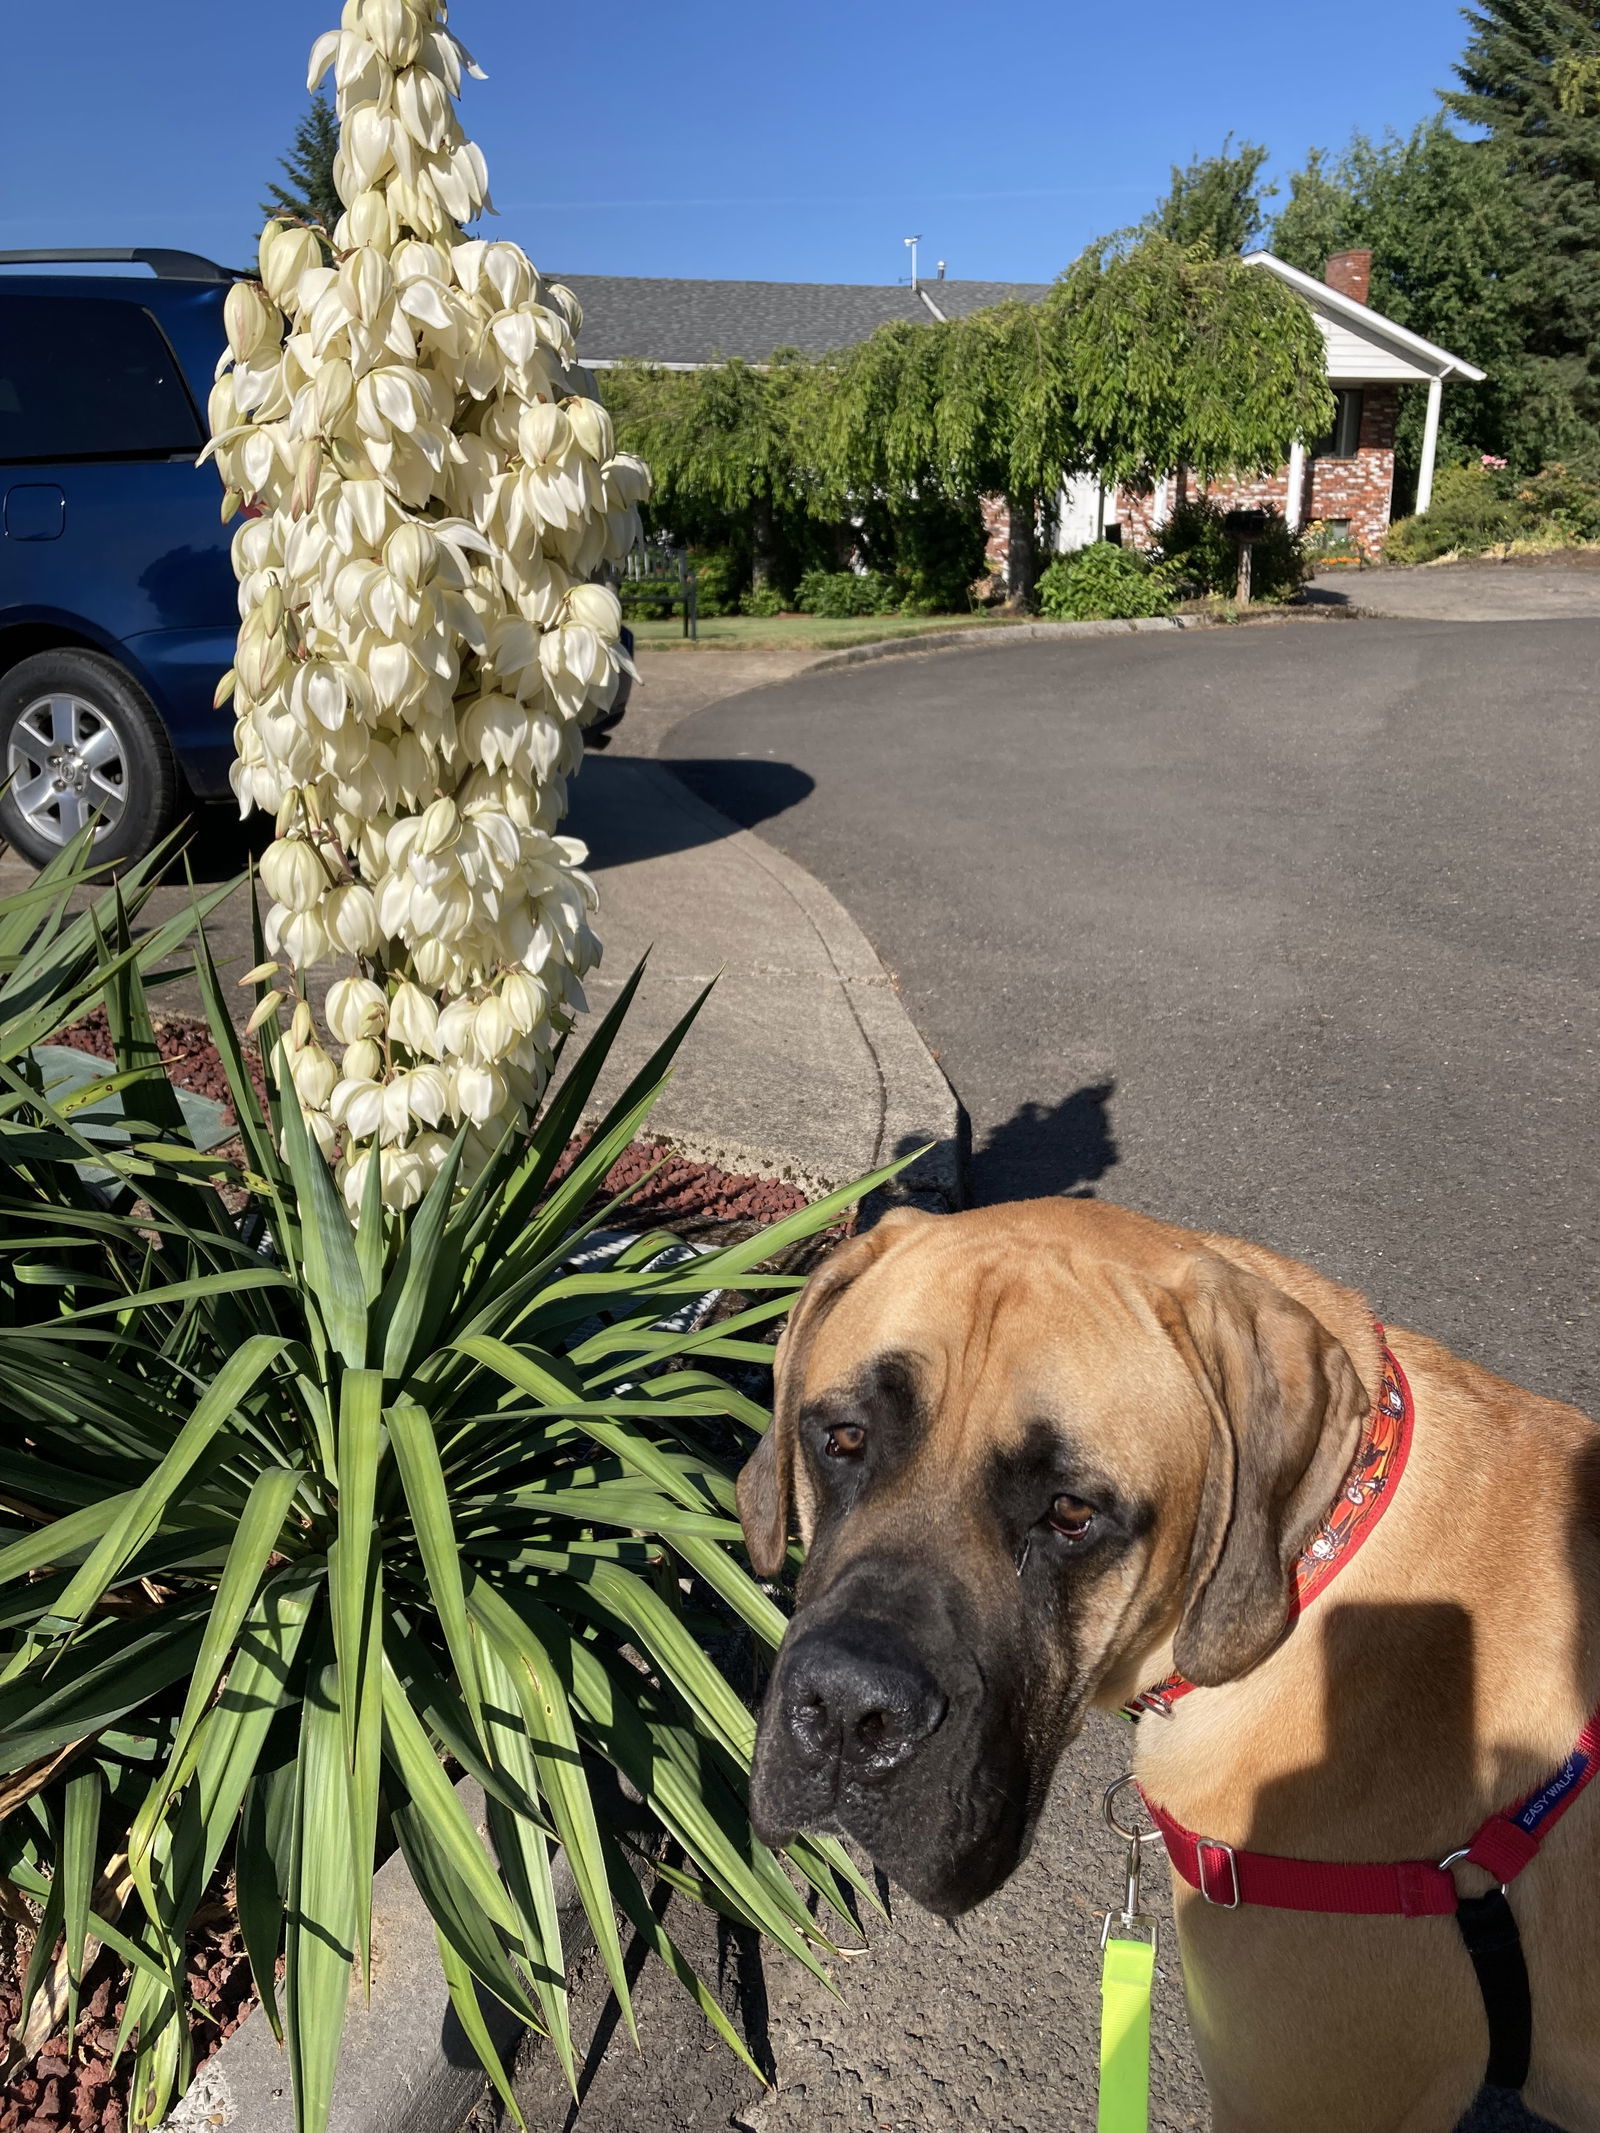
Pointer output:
x,y
1130,1918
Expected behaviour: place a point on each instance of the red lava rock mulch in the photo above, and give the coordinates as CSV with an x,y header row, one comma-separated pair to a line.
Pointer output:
x,y
81,2091
682,1192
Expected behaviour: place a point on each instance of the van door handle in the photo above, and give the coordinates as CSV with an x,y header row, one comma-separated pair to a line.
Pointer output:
x,y
35,511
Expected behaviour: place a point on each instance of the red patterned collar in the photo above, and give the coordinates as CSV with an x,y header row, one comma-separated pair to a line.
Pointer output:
x,y
1362,1500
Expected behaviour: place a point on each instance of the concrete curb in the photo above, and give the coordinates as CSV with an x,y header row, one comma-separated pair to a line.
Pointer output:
x,y
405,2065
916,1102
1034,632
1011,633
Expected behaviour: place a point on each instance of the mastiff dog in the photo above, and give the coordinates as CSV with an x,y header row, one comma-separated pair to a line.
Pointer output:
x,y
1054,1456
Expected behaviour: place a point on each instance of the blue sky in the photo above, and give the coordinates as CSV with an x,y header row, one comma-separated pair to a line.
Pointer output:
x,y
721,138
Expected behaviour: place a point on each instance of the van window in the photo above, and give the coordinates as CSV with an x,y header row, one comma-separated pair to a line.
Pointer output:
x,y
85,377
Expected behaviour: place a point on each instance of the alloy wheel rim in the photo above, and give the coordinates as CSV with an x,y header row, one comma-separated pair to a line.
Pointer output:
x,y
67,764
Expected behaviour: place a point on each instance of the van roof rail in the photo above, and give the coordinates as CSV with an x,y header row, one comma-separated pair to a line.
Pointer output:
x,y
167,265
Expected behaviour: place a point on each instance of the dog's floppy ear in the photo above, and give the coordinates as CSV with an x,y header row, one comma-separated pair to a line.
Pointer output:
x,y
766,1481
1286,1409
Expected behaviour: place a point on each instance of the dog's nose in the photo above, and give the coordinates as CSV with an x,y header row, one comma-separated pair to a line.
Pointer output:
x,y
859,1697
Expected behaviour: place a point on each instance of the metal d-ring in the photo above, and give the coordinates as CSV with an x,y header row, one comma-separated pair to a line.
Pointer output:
x,y
1451,1859
1109,1810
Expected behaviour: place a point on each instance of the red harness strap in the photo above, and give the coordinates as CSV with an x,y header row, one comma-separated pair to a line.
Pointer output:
x,y
1406,1888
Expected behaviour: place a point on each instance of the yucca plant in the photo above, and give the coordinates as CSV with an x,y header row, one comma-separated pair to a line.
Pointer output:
x,y
300,1517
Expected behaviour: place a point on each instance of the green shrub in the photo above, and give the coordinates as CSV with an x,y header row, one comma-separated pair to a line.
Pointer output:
x,y
1563,497
296,1512
720,576
763,600
1202,558
938,549
1473,509
836,594
1102,583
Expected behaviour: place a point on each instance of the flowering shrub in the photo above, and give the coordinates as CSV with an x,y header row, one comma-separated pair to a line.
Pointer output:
x,y
429,495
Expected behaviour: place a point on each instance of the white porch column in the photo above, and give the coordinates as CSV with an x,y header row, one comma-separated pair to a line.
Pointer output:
x,y
1430,445
1294,502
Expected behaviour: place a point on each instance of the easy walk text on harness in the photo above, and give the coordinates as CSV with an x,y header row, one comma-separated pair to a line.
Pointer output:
x,y
1413,1888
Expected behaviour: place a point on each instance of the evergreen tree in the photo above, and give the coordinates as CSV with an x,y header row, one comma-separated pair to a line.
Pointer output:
x,y
1531,79
309,169
1216,201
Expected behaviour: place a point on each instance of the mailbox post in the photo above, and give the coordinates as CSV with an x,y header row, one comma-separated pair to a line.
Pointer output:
x,y
1246,528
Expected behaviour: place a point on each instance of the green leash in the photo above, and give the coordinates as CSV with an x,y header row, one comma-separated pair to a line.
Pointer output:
x,y
1126,1977
1125,1985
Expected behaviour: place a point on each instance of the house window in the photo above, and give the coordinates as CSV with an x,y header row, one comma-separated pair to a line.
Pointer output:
x,y
1343,441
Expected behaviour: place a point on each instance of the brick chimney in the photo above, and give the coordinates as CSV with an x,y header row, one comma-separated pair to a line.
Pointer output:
x,y
1350,273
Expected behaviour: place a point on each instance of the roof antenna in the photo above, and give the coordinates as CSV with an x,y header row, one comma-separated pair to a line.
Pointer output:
x,y
913,242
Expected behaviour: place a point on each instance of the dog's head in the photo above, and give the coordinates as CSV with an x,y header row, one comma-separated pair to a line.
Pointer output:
x,y
1031,1452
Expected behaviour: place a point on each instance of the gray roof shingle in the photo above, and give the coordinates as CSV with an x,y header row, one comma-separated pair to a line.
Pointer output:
x,y
662,321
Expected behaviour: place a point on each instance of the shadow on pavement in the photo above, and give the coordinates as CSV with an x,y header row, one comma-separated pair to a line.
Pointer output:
x,y
1048,1148
217,845
616,805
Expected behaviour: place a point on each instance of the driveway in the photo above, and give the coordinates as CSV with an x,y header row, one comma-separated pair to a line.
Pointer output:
x,y
1289,932
1521,589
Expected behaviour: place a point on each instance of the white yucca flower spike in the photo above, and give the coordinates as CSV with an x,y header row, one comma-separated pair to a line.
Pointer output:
x,y
431,495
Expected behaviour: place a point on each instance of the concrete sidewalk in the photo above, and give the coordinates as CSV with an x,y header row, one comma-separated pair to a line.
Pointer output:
x,y
803,1063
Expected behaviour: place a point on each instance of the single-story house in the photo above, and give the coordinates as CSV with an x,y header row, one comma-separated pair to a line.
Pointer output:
x,y
1346,479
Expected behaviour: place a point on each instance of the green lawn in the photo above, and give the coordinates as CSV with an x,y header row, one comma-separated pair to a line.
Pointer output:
x,y
748,633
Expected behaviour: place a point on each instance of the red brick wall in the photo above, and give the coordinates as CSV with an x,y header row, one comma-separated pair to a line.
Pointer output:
x,y
1362,489
1359,489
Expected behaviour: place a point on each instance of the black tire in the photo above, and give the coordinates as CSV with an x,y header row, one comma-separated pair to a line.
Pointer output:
x,y
85,706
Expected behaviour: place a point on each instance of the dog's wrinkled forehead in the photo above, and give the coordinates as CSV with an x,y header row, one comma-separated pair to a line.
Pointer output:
x,y
977,1347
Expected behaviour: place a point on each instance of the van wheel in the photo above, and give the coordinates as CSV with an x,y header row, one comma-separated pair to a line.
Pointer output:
x,y
79,739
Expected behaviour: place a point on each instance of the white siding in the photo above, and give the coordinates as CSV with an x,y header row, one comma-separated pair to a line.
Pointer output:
x,y
1355,358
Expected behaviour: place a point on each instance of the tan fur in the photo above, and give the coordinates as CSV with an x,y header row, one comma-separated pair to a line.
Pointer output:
x,y
1448,1668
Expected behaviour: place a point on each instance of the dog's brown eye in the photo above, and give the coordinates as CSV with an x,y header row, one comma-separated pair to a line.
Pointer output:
x,y
1071,1516
846,1440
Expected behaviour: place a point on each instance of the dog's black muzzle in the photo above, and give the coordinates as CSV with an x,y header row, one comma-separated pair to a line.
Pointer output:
x,y
882,1723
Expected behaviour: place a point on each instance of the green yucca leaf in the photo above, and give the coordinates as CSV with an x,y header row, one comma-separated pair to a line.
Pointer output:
x,y
321,1937
428,1500
260,1524
454,1912
463,1991
236,1377
332,1273
636,1907
113,1667
80,1850
421,1289
529,1669
409,1748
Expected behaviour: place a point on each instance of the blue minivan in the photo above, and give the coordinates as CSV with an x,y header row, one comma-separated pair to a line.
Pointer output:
x,y
118,607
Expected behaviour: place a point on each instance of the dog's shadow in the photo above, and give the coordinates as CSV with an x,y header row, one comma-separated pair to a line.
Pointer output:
x,y
1047,1148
